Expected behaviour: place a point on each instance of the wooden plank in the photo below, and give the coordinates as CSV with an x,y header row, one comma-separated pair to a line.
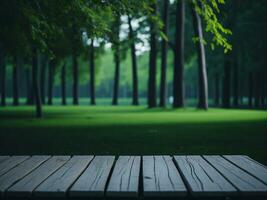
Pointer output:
x,y
243,181
3,158
20,171
124,181
58,183
25,186
201,178
161,178
94,179
249,165
11,162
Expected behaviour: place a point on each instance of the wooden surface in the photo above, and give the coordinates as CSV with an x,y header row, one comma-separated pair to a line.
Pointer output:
x,y
11,162
201,178
243,181
25,186
249,165
161,177
135,177
21,170
94,179
3,158
59,182
124,181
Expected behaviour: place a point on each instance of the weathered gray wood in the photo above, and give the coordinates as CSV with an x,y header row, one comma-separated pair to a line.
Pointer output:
x,y
20,171
201,178
243,181
124,181
3,158
25,186
58,183
249,165
161,178
11,162
94,179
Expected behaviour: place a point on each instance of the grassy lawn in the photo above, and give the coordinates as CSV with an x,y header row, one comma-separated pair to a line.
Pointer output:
x,y
133,130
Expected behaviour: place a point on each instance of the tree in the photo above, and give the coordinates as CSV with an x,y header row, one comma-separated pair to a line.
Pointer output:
x,y
51,73
35,81
3,76
152,97
207,10
178,73
15,81
134,63
164,49
116,48
63,84
92,72
43,77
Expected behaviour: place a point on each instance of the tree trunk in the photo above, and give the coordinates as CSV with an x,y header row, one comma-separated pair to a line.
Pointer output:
x,y
35,83
75,79
116,78
262,89
235,81
51,72
202,71
257,89
178,74
116,44
15,81
250,90
134,64
152,97
227,82
92,73
63,84
43,78
3,77
164,50
217,90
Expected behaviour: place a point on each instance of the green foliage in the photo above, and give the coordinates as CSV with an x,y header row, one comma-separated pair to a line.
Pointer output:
x,y
208,10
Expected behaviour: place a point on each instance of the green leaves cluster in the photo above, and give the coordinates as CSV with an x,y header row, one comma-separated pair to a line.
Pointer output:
x,y
209,10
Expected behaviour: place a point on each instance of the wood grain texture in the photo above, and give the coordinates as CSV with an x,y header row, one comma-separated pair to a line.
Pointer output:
x,y
25,186
124,181
58,183
3,158
243,181
161,178
11,162
21,170
201,178
249,165
93,181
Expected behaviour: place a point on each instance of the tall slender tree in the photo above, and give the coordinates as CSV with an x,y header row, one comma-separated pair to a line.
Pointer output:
x,y
3,77
152,96
202,71
15,81
63,84
51,73
43,77
116,48
75,72
132,38
35,83
164,50
92,73
178,73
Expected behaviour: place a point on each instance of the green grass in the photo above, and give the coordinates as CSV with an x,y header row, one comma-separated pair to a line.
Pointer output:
x,y
133,130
